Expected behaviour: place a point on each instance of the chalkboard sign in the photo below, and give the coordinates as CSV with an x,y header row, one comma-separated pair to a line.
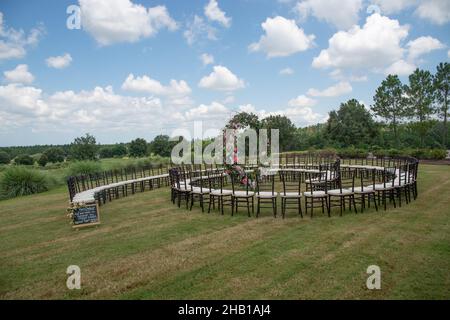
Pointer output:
x,y
86,216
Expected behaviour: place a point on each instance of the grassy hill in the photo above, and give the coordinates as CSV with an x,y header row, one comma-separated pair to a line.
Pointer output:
x,y
147,248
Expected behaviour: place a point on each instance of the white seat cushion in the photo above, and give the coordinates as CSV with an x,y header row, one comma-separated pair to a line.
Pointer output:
x,y
267,194
223,193
243,194
291,195
380,187
197,190
368,189
337,192
315,194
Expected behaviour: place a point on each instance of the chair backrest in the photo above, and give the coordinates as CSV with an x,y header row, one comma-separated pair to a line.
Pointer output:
x,y
291,181
367,178
265,183
348,182
238,183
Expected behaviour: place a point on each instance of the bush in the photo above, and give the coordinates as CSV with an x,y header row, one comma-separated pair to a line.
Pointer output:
x,y
119,150
106,152
437,154
43,160
4,158
138,148
55,155
352,153
83,167
20,181
24,160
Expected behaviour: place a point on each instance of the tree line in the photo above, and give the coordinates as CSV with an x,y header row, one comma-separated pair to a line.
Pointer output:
x,y
85,148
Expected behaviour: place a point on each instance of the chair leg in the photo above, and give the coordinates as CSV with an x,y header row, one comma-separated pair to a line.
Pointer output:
x,y
258,209
209,204
192,201
253,205
274,207
202,203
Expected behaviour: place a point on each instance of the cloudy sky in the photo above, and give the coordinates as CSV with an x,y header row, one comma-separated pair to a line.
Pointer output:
x,y
141,68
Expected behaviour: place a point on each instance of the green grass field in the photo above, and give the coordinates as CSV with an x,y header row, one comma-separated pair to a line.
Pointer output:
x,y
146,248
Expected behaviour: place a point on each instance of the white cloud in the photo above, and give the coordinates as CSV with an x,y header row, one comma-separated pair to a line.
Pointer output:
x,y
99,110
14,43
338,89
337,74
214,13
436,11
228,100
401,68
302,101
391,7
286,71
299,115
203,111
249,108
207,59
198,29
374,46
448,53
149,85
17,98
303,115
113,21
282,38
422,45
341,13
221,79
59,62
19,75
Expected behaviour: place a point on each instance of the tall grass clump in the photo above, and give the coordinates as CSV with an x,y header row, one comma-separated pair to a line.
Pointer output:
x,y
83,167
20,181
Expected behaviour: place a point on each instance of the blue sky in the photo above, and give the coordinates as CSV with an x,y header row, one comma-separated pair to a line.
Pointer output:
x,y
135,68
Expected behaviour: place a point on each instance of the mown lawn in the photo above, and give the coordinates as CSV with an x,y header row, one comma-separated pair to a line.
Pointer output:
x,y
146,248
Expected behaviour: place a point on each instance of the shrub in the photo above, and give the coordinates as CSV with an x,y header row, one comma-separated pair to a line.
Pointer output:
x,y
20,181
106,152
55,155
83,167
352,153
138,148
43,160
437,154
119,150
4,158
24,160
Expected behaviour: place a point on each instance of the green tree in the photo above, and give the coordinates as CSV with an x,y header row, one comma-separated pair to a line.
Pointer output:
x,y
24,159
138,148
352,124
119,150
43,160
419,99
162,145
390,103
244,120
4,158
55,154
106,152
84,148
286,129
441,84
